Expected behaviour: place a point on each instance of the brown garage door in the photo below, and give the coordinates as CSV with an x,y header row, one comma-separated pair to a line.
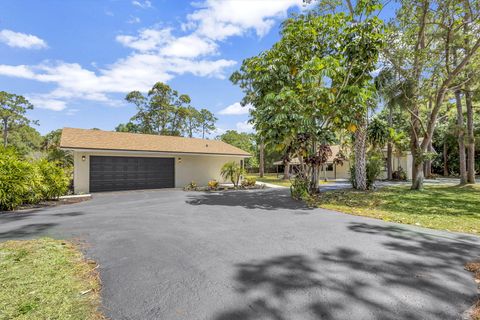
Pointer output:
x,y
130,173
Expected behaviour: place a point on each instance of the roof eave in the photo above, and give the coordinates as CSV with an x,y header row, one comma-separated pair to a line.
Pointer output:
x,y
156,152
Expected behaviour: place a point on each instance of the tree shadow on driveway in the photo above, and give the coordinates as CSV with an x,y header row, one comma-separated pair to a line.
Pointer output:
x,y
412,276
250,199
27,231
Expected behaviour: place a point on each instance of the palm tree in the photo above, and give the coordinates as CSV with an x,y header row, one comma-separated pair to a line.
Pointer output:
x,y
233,171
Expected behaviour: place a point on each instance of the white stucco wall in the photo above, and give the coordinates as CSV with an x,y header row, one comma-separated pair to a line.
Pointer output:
x,y
198,168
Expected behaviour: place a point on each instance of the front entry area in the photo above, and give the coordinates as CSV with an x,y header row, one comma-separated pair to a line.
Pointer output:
x,y
110,173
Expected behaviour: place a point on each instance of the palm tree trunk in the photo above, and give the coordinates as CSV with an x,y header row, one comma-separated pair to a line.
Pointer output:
x,y
360,156
461,138
470,137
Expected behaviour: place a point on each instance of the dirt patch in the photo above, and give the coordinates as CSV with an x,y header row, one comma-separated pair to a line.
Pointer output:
x,y
474,267
53,203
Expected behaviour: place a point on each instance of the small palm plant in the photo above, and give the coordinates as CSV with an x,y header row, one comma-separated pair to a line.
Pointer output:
x,y
232,171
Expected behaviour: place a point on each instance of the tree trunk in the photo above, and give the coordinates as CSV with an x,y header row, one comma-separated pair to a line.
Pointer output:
x,y
461,138
261,165
286,171
445,159
417,152
417,172
5,133
360,156
389,161
470,138
428,163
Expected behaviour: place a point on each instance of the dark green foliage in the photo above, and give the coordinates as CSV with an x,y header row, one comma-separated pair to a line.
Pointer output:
x,y
25,139
399,174
51,145
28,182
167,112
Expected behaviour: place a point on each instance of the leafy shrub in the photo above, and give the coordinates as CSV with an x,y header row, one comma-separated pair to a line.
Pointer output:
x,y
213,184
299,188
28,182
399,174
54,181
191,186
17,180
232,171
249,182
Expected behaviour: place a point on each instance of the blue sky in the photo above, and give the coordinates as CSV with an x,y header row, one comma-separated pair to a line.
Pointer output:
x,y
76,60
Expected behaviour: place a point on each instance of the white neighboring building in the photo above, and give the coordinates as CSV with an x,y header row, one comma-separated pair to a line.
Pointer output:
x,y
333,170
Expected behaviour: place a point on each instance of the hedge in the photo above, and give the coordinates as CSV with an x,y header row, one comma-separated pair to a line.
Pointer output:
x,y
29,181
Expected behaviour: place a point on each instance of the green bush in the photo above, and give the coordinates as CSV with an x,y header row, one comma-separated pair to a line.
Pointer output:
x,y
17,180
374,168
54,181
299,188
28,182
249,182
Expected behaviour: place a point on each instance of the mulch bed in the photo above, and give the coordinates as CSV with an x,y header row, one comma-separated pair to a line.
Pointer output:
x,y
474,267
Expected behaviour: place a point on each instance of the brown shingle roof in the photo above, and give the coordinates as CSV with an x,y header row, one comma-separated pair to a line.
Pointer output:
x,y
109,140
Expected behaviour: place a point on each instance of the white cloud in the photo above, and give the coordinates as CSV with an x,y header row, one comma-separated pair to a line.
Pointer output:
x,y
189,46
21,40
142,4
133,20
43,102
236,109
218,20
71,112
244,127
147,39
158,54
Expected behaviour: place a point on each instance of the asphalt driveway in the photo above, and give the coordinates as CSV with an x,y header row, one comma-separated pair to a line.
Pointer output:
x,y
169,254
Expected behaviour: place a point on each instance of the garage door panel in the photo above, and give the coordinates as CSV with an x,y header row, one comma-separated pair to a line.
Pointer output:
x,y
130,173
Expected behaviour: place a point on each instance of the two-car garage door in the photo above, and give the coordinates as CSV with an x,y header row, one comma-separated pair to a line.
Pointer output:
x,y
131,173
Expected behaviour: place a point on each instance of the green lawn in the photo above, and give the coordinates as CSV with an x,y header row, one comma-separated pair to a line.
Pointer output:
x,y
271,178
47,279
446,207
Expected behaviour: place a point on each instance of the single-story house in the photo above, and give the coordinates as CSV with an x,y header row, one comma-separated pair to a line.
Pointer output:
x,y
110,161
334,170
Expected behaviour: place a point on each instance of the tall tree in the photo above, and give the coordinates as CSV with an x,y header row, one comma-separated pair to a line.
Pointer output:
x,y
244,141
192,121
162,111
420,48
12,112
207,122
316,78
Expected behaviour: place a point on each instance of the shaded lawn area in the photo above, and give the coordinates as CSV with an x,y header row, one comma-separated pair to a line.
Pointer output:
x,y
47,279
271,178
445,207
